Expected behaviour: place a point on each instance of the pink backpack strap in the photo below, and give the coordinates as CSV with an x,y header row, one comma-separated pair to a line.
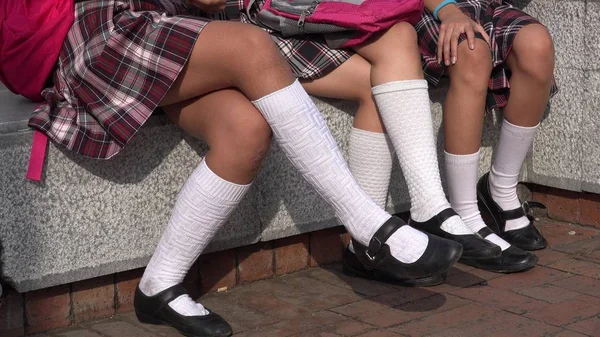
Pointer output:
x,y
38,156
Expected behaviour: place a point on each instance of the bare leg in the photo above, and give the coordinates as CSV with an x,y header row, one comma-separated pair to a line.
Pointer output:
x,y
464,110
237,134
393,55
351,81
403,101
238,138
231,55
464,107
532,64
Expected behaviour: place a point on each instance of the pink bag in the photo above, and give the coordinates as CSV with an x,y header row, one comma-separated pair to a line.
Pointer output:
x,y
31,36
344,23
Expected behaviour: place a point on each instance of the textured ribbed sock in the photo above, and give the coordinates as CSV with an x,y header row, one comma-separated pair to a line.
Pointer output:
x,y
203,206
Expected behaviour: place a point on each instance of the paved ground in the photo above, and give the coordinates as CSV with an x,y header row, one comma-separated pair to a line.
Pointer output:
x,y
560,297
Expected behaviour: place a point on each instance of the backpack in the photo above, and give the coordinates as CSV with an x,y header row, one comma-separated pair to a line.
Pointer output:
x,y
343,23
31,37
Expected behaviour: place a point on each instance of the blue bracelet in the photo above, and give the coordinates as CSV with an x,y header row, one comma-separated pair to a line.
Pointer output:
x,y
440,6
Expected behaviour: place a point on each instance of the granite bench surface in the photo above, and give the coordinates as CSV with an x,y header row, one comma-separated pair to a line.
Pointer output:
x,y
91,218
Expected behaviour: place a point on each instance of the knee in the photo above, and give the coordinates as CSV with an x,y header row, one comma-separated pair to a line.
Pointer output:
x,y
473,67
404,33
257,49
361,88
533,52
251,139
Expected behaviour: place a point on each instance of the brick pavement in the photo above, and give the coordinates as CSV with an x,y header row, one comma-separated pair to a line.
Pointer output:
x,y
560,298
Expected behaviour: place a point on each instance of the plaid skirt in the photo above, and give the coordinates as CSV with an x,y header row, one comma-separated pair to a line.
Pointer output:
x,y
501,21
308,56
117,62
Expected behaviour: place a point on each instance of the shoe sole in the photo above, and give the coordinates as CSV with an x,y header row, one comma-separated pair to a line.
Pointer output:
x,y
507,270
150,319
531,247
421,282
480,256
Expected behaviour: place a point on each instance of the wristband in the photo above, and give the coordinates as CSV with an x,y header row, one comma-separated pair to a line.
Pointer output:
x,y
440,6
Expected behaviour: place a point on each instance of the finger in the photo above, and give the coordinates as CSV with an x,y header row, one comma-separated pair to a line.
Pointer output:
x,y
454,44
447,41
486,37
440,44
470,36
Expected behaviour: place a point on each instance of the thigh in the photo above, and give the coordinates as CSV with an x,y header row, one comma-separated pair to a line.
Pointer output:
x,y
394,54
231,55
507,23
350,81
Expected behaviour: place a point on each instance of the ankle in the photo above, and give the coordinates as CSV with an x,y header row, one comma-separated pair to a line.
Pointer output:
x,y
429,209
151,286
474,222
503,189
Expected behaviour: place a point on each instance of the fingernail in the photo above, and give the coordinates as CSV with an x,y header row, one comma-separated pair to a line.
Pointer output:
x,y
472,46
447,63
453,60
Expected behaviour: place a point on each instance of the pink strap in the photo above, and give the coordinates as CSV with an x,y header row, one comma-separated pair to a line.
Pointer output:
x,y
38,155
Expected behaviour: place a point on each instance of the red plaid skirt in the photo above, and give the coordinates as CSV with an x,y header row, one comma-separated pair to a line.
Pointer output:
x,y
118,61
501,21
308,56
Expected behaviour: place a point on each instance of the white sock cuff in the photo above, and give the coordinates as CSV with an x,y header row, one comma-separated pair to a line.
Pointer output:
x,y
517,130
369,134
281,100
212,182
399,86
365,137
461,160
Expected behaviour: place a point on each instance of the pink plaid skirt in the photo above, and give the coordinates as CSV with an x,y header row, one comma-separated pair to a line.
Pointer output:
x,y
118,61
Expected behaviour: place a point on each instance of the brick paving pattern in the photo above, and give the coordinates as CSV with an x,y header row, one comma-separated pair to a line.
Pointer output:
x,y
560,298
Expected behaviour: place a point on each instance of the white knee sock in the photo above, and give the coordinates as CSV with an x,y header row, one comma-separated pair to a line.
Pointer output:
x,y
512,148
203,205
302,133
461,171
370,160
371,156
406,112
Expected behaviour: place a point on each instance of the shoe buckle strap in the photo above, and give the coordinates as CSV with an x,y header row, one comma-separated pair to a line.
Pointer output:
x,y
444,215
522,211
528,205
374,247
485,232
383,233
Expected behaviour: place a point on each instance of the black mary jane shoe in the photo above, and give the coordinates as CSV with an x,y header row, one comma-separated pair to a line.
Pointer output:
x,y
526,238
474,246
156,310
512,259
376,262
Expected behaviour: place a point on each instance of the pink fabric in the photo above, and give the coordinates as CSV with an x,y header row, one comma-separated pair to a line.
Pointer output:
x,y
366,19
37,157
31,36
